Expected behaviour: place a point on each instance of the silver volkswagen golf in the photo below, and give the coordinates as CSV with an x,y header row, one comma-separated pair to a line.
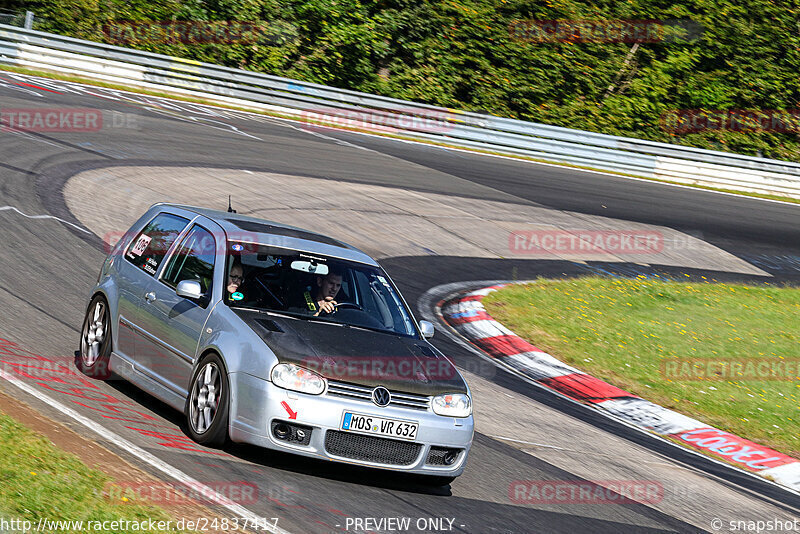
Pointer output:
x,y
279,337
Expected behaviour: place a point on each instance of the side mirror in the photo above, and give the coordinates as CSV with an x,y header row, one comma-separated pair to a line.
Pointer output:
x,y
427,329
189,289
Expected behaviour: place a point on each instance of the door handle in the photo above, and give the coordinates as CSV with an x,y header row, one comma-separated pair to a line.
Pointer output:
x,y
150,297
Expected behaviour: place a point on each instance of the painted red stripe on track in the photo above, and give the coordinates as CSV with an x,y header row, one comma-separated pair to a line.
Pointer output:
x,y
500,346
585,388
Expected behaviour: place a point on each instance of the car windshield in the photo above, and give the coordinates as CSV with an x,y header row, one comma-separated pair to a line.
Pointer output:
x,y
314,287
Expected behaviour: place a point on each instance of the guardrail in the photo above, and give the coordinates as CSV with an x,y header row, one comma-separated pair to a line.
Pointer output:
x,y
40,50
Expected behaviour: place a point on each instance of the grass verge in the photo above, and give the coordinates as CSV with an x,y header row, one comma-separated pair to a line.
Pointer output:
x,y
184,98
668,341
38,481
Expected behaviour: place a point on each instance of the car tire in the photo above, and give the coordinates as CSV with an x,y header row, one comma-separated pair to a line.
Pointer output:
x,y
207,405
95,346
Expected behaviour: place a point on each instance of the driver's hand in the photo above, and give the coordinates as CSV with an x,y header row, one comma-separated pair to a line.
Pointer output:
x,y
326,306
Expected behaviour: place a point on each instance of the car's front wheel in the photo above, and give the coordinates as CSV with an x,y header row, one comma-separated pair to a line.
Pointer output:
x,y
95,340
207,406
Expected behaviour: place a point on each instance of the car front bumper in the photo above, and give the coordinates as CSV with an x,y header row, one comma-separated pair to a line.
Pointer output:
x,y
257,403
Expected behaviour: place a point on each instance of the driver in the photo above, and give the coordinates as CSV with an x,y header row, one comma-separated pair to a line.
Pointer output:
x,y
324,297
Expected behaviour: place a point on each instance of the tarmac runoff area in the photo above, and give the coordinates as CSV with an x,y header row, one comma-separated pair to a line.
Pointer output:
x,y
389,222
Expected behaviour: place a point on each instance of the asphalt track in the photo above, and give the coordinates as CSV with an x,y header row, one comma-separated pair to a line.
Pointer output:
x,y
47,267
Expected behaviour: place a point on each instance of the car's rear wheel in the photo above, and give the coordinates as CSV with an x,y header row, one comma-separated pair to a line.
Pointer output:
x,y
96,340
207,406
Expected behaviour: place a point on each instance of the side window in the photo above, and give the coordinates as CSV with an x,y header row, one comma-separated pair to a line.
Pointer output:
x,y
148,249
194,260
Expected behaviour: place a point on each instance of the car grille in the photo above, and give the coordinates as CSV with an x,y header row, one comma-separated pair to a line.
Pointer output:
x,y
363,393
371,449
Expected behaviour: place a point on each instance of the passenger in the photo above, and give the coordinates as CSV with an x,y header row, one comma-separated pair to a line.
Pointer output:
x,y
235,278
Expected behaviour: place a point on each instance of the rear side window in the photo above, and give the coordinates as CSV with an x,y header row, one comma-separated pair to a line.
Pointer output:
x,y
148,249
194,260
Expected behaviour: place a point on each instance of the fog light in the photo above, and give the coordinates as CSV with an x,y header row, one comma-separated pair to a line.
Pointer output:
x,y
282,431
291,432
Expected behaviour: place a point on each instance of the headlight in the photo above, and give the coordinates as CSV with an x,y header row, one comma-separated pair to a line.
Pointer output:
x,y
290,376
452,405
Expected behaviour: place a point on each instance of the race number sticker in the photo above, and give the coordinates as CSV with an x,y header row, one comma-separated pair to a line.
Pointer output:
x,y
141,245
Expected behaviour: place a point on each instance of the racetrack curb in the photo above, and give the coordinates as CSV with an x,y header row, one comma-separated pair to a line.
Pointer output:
x,y
466,314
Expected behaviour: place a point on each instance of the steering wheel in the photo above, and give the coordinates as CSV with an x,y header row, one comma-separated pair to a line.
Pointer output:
x,y
349,305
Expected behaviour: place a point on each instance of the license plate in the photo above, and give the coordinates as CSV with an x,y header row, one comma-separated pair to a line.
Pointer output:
x,y
379,426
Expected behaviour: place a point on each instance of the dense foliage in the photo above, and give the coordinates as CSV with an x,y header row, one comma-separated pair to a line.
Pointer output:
x,y
461,54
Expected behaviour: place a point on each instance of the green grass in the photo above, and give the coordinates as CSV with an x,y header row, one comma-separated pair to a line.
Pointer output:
x,y
625,331
37,480
299,117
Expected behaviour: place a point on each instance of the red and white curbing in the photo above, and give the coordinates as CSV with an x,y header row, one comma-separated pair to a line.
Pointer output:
x,y
468,316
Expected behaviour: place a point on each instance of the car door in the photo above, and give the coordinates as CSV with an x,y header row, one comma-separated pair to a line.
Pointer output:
x,y
142,258
174,324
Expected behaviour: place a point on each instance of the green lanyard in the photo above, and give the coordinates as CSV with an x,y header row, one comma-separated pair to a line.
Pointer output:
x,y
310,301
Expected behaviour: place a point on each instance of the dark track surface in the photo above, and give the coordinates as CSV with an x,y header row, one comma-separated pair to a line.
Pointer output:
x,y
47,268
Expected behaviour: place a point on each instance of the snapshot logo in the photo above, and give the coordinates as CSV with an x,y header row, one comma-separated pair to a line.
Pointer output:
x,y
559,241
125,32
723,370
411,119
51,120
604,31
395,368
179,493
687,121
585,491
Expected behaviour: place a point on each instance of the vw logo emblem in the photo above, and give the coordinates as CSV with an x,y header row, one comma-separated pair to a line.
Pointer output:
x,y
381,396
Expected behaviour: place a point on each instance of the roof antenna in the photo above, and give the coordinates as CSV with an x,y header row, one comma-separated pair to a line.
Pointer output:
x,y
230,209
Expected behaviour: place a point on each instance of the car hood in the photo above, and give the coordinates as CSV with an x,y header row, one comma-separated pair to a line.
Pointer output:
x,y
356,355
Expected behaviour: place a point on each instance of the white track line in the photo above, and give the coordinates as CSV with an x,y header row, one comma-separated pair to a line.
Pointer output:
x,y
12,208
141,454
